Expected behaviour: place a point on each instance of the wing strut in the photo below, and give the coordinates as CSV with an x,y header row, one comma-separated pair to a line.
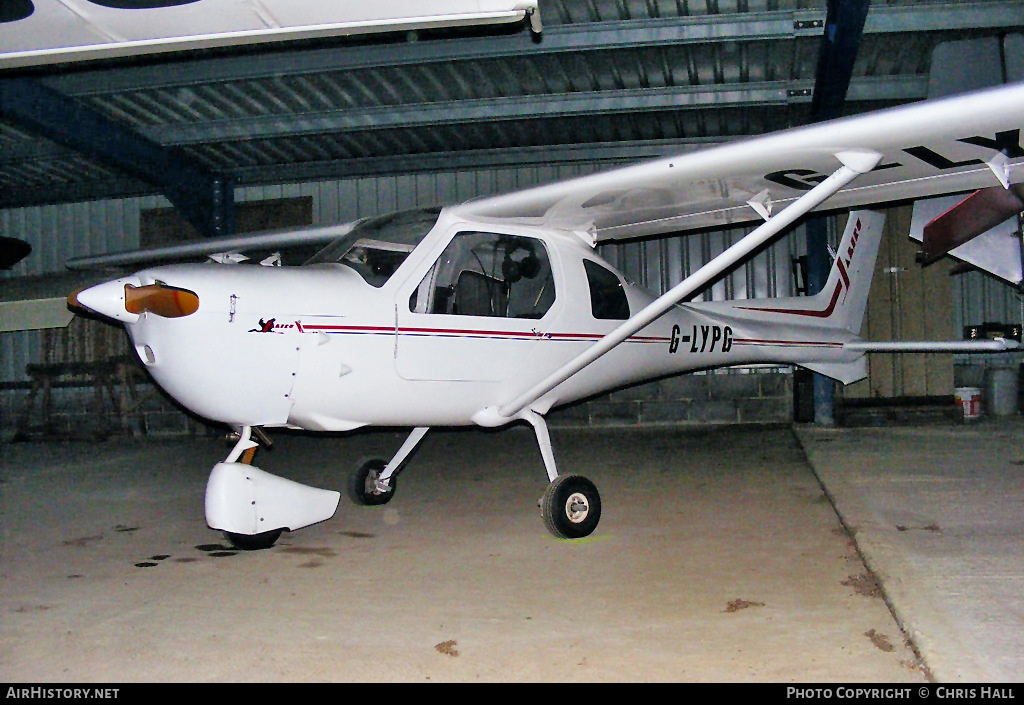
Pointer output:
x,y
854,163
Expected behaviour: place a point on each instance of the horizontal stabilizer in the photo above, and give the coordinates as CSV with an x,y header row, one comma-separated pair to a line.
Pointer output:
x,y
976,214
34,314
996,250
39,302
844,372
957,346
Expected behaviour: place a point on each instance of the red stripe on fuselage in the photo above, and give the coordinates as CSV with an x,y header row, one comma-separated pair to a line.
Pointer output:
x,y
825,313
471,333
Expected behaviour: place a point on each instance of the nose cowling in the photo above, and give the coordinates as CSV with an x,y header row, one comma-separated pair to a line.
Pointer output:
x,y
125,299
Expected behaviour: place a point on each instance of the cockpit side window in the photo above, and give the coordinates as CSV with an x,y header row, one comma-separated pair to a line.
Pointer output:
x,y
607,297
487,274
378,246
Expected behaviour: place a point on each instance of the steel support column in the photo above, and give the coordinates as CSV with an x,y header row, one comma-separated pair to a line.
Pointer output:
x,y
844,25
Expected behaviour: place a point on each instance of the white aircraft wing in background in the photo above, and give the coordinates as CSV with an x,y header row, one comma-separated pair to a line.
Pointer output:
x,y
35,32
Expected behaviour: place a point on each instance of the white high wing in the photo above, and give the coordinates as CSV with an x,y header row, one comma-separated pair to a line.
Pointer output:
x,y
499,309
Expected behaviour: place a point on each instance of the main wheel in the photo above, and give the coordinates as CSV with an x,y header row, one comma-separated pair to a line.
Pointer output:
x,y
362,485
253,542
571,507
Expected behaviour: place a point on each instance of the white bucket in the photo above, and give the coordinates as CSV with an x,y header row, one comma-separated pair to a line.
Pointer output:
x,y
969,401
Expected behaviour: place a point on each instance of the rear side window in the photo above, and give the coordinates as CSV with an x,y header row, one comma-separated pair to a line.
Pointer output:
x,y
607,297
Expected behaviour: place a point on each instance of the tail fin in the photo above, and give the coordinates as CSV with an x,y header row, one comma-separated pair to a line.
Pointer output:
x,y
836,313
842,300
845,295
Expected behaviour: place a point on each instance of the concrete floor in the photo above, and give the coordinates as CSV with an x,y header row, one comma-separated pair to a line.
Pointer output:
x,y
719,557
938,513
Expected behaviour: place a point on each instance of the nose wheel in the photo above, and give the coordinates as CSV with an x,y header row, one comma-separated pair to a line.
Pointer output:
x,y
571,507
266,539
254,542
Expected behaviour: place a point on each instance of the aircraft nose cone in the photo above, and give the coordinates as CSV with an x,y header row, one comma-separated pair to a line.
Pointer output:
x,y
107,299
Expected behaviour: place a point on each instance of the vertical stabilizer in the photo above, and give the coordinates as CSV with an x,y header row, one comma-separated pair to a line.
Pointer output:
x,y
843,299
845,294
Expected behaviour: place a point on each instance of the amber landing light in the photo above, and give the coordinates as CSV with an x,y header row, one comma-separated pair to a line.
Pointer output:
x,y
163,300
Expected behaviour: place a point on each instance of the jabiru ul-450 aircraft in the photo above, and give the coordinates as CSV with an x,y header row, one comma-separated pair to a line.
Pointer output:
x,y
497,310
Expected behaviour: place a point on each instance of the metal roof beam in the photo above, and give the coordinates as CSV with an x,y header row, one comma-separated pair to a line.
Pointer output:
x,y
520,108
203,198
21,197
888,19
599,154
556,39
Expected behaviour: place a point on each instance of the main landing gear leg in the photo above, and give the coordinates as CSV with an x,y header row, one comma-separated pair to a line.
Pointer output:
x,y
374,481
571,505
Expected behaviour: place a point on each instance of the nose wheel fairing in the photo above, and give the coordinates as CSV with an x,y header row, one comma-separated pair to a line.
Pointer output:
x,y
244,501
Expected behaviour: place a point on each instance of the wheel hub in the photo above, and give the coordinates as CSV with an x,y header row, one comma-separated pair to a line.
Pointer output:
x,y
370,485
577,507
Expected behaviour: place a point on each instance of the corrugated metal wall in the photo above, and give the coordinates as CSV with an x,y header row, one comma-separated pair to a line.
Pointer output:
x,y
57,233
660,264
980,298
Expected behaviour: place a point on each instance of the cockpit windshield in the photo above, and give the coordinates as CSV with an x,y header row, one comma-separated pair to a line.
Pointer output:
x,y
377,246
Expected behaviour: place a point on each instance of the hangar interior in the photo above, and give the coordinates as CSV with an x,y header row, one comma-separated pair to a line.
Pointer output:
x,y
113,154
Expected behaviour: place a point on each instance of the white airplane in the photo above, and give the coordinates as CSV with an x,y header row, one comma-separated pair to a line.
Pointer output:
x,y
497,310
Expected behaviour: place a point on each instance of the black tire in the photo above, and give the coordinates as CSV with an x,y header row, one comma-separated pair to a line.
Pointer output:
x,y
571,507
362,484
253,542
